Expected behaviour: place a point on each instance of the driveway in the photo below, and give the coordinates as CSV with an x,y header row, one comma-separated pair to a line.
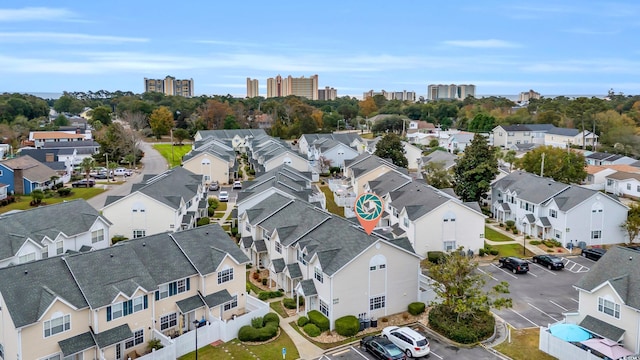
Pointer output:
x,y
541,296
153,163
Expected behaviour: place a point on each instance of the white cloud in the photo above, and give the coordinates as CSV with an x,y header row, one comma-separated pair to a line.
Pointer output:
x,y
489,43
228,43
64,38
37,14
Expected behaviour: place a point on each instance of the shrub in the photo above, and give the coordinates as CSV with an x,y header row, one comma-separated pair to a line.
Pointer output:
x,y
154,344
289,303
256,275
435,257
213,203
64,192
257,323
263,295
203,221
317,318
347,325
527,237
535,242
493,251
271,318
311,330
249,333
481,252
116,239
416,308
302,321
384,319
501,225
510,224
264,281
515,231
464,330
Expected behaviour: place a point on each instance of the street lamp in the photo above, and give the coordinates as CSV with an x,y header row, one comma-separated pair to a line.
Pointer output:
x,y
196,323
108,172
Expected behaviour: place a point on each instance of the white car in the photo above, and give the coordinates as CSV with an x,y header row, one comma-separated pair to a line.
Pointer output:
x,y
237,185
410,341
122,172
223,196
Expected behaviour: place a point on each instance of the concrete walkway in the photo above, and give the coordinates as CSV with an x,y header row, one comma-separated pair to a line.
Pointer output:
x,y
306,348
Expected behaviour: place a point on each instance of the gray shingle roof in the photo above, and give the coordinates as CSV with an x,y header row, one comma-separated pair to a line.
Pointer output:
x,y
113,336
388,182
564,131
308,287
45,221
531,219
418,199
304,216
602,328
260,246
76,344
33,170
218,298
530,187
246,241
191,303
294,271
284,178
266,208
617,263
278,265
621,175
445,157
29,289
206,247
545,221
230,134
345,138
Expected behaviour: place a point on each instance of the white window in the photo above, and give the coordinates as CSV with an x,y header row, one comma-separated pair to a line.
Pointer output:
x,y
137,339
225,275
265,235
301,257
609,307
139,233
45,254
138,304
638,188
406,222
377,302
163,291
628,186
609,182
56,325
27,258
97,236
449,245
116,311
168,321
318,274
247,227
231,304
278,247
553,213
382,266
372,268
59,248
596,234
557,234
324,308
182,286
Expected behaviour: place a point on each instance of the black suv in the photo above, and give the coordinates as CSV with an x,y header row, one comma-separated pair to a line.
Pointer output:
x,y
594,253
515,264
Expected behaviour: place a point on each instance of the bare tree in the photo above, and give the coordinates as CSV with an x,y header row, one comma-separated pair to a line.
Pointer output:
x,y
137,121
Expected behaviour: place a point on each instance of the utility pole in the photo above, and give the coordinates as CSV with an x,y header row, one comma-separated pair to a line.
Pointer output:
x,y
542,166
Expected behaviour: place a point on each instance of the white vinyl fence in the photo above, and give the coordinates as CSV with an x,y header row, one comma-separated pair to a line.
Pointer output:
x,y
562,349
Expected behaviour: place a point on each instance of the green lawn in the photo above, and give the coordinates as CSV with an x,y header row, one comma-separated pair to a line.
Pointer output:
x,y
222,206
218,214
173,154
277,307
512,250
326,346
494,235
23,201
332,207
523,346
234,349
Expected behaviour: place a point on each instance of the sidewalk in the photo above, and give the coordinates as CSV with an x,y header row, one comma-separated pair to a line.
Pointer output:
x,y
306,348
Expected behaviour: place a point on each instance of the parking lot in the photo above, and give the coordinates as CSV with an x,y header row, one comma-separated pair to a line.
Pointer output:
x,y
438,351
233,194
541,296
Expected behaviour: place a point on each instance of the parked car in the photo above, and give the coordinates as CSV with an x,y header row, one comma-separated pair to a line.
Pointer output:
x,y
593,253
214,186
122,172
237,185
223,196
552,262
515,264
102,175
381,348
83,183
408,340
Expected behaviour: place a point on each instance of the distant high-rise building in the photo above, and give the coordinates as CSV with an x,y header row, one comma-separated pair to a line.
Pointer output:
x,y
303,87
526,96
393,95
252,88
328,93
450,92
169,86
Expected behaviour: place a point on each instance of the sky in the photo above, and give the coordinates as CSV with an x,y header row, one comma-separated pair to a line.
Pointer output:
x,y
503,47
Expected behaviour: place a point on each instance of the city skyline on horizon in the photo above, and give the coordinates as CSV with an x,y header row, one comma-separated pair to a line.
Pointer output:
x,y
554,49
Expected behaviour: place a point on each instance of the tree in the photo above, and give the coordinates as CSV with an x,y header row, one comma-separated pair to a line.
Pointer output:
x,y
111,166
367,107
102,114
390,147
324,163
475,170
136,120
437,176
559,164
434,143
86,165
460,287
61,120
632,224
230,122
37,195
481,123
509,157
180,135
161,121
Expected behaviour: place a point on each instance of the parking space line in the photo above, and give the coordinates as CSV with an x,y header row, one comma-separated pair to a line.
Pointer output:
x,y
542,312
504,271
558,305
436,355
545,269
341,352
522,316
530,273
486,273
572,299
359,353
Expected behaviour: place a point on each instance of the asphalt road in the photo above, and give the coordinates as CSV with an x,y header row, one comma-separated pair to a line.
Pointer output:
x,y
541,296
153,163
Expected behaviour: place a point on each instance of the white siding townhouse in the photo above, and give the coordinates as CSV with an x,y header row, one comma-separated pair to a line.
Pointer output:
x,y
330,261
108,303
212,159
331,150
171,201
624,184
360,170
271,153
352,140
238,138
545,209
609,300
47,231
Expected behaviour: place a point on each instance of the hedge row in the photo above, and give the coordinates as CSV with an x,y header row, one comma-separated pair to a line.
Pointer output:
x,y
347,325
265,295
416,308
261,329
466,331
312,330
317,318
290,303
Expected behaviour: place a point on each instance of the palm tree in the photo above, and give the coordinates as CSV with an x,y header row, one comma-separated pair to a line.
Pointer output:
x,y
86,165
110,167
